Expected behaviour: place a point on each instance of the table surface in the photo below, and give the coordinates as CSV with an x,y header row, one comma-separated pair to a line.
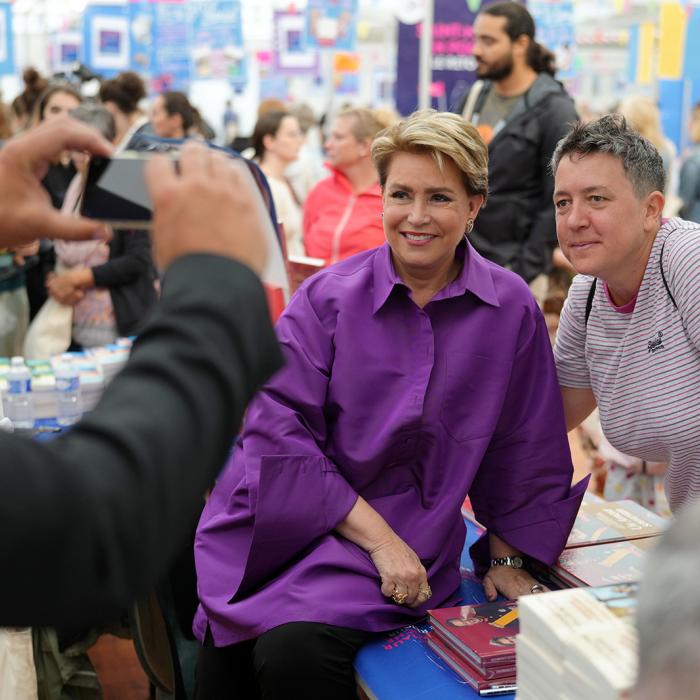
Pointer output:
x,y
400,666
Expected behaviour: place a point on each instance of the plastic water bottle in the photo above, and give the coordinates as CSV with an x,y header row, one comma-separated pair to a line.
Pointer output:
x,y
20,406
69,406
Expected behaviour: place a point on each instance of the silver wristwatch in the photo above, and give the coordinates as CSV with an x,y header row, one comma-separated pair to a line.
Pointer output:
x,y
515,562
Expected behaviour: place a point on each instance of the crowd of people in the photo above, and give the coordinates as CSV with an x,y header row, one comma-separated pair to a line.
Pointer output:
x,y
418,364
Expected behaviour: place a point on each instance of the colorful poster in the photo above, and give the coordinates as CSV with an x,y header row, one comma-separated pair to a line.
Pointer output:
x,y
672,24
291,55
106,38
141,28
452,57
170,68
216,40
346,73
66,51
7,49
331,24
555,31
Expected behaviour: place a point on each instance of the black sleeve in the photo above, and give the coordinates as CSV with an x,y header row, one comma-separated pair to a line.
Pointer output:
x,y
132,261
558,118
91,519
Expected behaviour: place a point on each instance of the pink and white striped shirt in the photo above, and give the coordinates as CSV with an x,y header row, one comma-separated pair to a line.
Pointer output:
x,y
644,366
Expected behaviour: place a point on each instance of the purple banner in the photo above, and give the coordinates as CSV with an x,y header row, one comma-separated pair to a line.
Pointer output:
x,y
452,59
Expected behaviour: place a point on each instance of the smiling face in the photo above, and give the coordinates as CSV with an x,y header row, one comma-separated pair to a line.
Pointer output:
x,y
425,216
603,227
493,48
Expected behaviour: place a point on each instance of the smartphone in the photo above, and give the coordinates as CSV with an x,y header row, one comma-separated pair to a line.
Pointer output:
x,y
114,191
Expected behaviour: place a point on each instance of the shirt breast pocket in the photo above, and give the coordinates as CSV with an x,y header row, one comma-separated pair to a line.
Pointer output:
x,y
474,388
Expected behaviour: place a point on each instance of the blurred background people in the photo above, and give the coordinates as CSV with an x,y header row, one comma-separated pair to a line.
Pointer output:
x,y
342,214
643,115
172,115
57,100
689,186
23,105
121,96
277,139
109,285
307,170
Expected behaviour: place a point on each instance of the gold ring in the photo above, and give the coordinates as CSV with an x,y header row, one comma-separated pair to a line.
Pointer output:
x,y
425,592
399,598
536,588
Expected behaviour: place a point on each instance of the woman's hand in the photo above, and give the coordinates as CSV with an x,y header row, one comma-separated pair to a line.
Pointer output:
x,y
403,577
510,583
401,572
64,289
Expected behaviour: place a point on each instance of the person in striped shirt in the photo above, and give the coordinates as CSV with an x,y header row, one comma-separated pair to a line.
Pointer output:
x,y
629,336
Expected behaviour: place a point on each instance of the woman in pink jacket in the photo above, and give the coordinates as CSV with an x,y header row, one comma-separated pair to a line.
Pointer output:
x,y
343,213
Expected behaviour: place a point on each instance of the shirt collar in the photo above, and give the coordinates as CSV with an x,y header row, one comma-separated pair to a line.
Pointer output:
x,y
475,277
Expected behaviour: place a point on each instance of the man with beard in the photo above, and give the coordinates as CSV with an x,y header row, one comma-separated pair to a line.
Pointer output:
x,y
521,112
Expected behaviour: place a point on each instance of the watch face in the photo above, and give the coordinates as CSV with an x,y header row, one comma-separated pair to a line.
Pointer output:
x,y
516,562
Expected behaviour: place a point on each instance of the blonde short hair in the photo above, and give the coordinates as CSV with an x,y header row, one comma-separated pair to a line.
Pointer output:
x,y
441,134
367,123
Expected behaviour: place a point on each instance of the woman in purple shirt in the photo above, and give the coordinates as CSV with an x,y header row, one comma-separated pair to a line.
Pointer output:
x,y
415,373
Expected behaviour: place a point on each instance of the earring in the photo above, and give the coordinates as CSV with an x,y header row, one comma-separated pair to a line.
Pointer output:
x,y
470,225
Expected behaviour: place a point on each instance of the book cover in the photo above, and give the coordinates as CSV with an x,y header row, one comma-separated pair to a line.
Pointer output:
x,y
301,267
603,564
614,521
478,682
484,633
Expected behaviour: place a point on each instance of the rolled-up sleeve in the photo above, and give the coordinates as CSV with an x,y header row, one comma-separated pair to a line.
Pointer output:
x,y
522,492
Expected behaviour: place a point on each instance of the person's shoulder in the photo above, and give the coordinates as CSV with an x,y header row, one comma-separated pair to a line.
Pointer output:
x,y
681,244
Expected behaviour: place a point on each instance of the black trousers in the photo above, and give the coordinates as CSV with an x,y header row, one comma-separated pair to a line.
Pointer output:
x,y
304,660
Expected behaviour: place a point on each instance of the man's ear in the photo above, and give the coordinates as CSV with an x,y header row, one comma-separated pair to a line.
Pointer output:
x,y
653,209
520,46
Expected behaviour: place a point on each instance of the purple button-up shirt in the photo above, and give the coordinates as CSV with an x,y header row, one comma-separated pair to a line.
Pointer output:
x,y
412,409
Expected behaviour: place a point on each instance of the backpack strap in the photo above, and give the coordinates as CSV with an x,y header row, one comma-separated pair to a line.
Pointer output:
x,y
589,301
663,276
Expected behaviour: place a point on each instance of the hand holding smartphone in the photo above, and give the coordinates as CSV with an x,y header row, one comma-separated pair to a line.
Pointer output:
x,y
114,191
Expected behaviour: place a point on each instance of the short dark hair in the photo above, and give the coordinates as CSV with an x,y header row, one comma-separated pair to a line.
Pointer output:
x,y
518,22
267,125
126,91
611,134
177,103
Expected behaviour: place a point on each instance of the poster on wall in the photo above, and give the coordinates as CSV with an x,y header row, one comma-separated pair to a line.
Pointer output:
x,y
346,73
291,55
554,20
331,24
216,41
452,56
141,24
66,51
170,61
7,51
106,38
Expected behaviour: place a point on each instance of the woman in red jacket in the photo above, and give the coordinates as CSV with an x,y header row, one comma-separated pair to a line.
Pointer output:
x,y
343,213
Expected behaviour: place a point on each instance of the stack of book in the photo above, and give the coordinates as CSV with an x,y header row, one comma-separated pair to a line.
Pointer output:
x,y
478,643
577,643
608,544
